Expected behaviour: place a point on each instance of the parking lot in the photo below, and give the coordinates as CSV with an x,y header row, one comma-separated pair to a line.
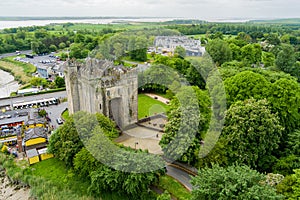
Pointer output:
x,y
16,116
39,60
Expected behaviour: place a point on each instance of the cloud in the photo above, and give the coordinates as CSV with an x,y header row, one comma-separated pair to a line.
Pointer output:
x,y
202,9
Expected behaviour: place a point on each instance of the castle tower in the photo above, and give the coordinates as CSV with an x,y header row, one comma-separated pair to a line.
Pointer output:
x,y
99,86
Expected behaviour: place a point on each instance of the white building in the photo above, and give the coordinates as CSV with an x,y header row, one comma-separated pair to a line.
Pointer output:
x,y
169,43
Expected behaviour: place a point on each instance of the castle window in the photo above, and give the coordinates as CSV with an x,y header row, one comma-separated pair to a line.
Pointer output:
x,y
108,93
100,106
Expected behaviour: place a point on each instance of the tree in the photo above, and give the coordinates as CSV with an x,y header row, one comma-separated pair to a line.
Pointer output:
x,y
79,38
251,53
108,126
233,182
252,133
273,38
284,98
290,186
245,85
236,51
180,51
40,34
62,45
85,163
52,48
268,59
35,46
134,185
42,113
59,82
183,129
65,143
219,51
286,59
157,78
293,143
38,81
75,51
164,196
285,165
138,48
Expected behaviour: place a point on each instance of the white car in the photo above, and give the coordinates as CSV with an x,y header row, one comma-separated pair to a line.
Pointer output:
x,y
59,121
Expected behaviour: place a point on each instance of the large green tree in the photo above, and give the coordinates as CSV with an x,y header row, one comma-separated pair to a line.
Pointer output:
x,y
284,97
233,182
252,133
65,142
184,130
245,85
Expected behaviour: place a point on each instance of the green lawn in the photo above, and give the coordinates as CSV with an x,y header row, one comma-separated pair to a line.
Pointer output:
x,y
56,172
27,67
174,188
148,106
21,71
65,115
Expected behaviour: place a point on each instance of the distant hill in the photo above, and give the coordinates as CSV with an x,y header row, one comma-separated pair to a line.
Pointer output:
x,y
3,18
278,21
185,21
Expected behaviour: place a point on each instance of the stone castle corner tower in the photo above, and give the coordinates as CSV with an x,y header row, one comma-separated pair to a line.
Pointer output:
x,y
99,86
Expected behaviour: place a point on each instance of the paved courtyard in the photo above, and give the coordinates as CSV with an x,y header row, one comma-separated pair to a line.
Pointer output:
x,y
146,135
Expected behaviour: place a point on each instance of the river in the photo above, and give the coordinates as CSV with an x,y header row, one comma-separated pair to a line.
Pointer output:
x,y
7,84
25,23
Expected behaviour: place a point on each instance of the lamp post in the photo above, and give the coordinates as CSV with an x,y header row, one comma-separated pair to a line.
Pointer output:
x,y
136,143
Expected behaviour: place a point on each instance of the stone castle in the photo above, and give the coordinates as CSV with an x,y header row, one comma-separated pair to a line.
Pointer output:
x,y
100,86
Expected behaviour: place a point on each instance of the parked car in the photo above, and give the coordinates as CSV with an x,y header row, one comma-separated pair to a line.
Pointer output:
x,y
59,121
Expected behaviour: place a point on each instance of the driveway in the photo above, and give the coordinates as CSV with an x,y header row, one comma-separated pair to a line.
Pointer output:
x,y
55,112
180,175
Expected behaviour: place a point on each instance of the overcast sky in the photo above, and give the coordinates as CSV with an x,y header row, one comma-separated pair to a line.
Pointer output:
x,y
200,9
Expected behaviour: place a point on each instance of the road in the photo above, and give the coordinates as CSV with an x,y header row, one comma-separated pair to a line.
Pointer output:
x,y
8,101
180,175
14,54
55,111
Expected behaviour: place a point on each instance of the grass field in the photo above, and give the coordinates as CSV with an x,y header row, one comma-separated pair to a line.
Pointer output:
x,y
148,106
100,27
174,188
21,71
56,172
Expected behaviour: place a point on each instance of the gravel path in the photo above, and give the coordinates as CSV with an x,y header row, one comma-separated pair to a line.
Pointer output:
x,y
159,98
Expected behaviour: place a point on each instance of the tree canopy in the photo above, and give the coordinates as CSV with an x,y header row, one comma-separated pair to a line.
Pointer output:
x,y
233,182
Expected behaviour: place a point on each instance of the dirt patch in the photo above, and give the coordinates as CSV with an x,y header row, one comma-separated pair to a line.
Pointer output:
x,y
9,191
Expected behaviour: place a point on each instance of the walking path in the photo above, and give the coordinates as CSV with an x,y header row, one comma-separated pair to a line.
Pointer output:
x,y
159,98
